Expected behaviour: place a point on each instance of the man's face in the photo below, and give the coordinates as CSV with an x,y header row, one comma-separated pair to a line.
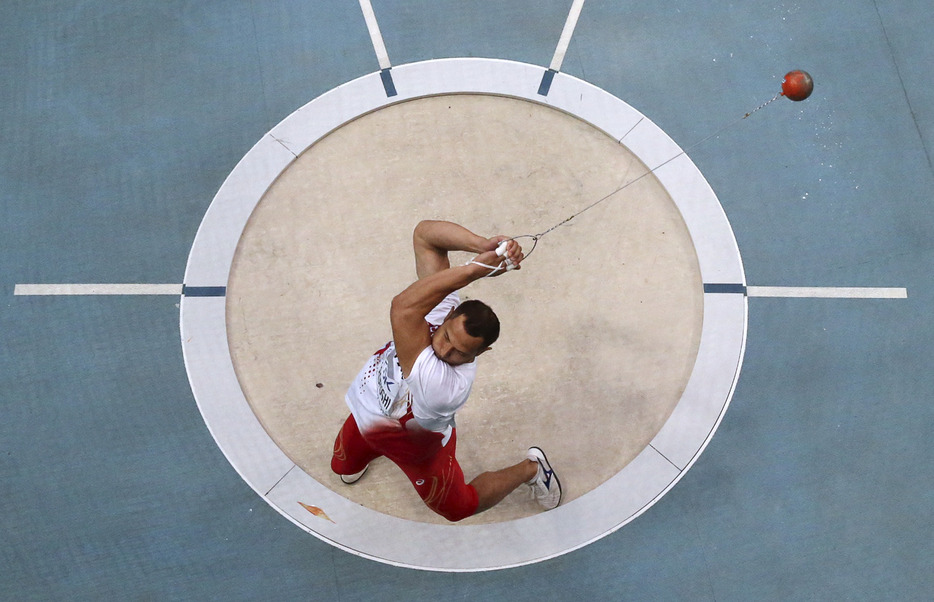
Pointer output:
x,y
453,345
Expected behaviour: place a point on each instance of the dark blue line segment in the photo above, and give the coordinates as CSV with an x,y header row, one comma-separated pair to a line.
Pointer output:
x,y
204,291
545,86
739,289
388,84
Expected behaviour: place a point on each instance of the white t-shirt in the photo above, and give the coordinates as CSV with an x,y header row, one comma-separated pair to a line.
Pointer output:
x,y
434,391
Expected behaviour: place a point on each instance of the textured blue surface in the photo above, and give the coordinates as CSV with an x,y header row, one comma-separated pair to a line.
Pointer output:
x,y
121,120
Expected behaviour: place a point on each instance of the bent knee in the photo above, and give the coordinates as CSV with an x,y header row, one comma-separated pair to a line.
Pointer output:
x,y
458,507
455,514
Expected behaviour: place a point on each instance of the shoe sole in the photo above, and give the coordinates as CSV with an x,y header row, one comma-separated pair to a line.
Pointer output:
x,y
554,475
345,482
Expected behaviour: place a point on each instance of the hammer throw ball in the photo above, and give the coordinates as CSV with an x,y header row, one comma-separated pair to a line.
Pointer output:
x,y
797,85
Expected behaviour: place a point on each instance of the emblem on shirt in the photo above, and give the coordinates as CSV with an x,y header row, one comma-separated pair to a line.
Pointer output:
x,y
389,382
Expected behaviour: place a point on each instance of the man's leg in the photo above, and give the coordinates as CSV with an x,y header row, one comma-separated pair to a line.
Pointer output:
x,y
442,486
493,486
439,481
352,454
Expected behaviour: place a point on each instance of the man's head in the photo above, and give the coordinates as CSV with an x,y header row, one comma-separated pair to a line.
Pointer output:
x,y
467,331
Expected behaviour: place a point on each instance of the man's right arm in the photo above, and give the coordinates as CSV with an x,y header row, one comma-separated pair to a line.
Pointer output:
x,y
410,332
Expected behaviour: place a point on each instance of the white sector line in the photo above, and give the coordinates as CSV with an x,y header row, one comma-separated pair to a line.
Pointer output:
x,y
565,40
97,289
827,292
373,27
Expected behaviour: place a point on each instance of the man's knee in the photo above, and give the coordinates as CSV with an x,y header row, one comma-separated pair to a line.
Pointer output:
x,y
455,514
459,506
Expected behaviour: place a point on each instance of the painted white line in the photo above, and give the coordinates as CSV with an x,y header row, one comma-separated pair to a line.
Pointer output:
x,y
565,40
370,17
97,289
827,292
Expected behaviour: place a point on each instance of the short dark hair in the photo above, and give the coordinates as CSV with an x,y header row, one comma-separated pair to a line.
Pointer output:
x,y
479,321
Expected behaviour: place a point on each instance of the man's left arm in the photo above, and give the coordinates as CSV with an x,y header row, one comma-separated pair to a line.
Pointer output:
x,y
432,240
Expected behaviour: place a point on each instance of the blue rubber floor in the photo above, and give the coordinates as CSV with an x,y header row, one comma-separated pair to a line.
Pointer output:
x,y
120,121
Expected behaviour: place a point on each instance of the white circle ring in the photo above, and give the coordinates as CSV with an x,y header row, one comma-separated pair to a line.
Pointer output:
x,y
460,548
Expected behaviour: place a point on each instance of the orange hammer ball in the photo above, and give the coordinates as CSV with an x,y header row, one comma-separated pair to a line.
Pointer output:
x,y
797,85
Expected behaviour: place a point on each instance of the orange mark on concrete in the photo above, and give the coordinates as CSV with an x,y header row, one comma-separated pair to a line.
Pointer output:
x,y
317,512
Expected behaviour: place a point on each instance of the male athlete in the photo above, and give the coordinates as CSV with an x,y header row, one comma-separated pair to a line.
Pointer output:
x,y
403,402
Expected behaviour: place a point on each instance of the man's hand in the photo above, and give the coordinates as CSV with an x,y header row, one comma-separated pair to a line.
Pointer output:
x,y
513,254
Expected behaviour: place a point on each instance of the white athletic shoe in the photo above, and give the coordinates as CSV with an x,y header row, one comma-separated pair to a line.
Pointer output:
x,y
350,479
545,486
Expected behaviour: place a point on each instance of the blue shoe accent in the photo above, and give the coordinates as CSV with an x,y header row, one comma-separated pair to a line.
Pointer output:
x,y
545,486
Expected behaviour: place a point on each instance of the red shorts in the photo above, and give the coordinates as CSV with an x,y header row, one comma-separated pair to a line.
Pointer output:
x,y
432,469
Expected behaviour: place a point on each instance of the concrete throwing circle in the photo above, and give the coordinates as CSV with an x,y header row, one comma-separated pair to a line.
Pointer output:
x,y
600,329
292,292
